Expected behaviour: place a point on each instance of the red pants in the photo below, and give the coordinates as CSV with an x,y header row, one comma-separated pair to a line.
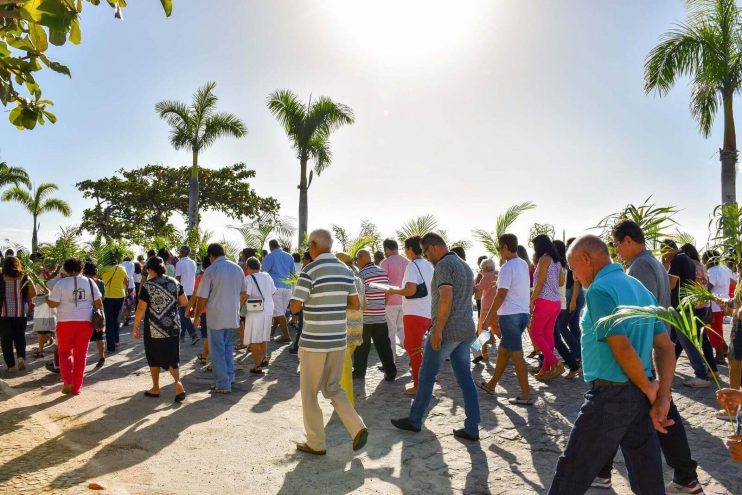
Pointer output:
x,y
716,335
545,315
73,338
414,331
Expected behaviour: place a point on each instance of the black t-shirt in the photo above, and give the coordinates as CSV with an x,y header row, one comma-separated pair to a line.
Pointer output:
x,y
682,267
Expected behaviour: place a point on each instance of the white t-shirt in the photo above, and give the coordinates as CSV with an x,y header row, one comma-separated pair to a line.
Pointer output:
x,y
64,293
720,277
267,288
186,270
420,306
514,277
129,267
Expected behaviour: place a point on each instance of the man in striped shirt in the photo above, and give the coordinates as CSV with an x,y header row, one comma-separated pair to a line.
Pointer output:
x,y
374,319
325,291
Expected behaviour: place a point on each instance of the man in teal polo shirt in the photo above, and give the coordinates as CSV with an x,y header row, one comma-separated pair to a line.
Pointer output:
x,y
624,404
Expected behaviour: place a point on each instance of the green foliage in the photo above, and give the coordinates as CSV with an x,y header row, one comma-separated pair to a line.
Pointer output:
x,y
65,246
503,223
231,249
418,226
368,237
15,176
683,238
655,221
540,229
257,233
27,27
103,253
36,201
137,205
725,230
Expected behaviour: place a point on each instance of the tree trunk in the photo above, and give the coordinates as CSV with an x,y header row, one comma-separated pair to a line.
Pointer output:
x,y
728,153
193,194
303,207
34,236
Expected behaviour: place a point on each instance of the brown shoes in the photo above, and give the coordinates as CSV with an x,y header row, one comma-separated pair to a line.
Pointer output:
x,y
303,447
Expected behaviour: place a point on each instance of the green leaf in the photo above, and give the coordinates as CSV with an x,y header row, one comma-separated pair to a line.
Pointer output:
x,y
53,14
52,118
62,69
38,36
57,38
34,89
168,6
75,34
4,52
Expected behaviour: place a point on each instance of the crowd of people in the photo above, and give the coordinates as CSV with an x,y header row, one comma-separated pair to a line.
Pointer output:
x,y
417,305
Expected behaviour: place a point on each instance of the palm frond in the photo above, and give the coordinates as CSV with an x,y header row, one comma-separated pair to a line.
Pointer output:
x,y
13,175
320,152
221,124
19,195
231,249
655,221
360,243
487,240
541,229
504,221
342,236
418,226
288,110
56,205
725,232
683,238
694,294
204,102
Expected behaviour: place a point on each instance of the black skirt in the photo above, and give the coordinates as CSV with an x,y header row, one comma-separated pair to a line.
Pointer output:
x,y
162,352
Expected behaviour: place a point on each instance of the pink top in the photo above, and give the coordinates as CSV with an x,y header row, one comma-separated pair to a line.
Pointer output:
x,y
489,290
395,266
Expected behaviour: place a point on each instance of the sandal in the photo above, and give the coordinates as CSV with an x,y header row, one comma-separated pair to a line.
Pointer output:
x,y
147,393
264,363
518,401
202,358
483,386
257,371
38,354
180,397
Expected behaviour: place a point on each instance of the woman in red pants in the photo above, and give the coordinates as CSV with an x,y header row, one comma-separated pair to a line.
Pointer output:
x,y
415,306
74,296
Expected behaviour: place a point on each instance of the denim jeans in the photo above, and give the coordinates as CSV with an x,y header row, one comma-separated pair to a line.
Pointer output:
x,y
186,325
573,323
222,356
696,361
432,361
565,342
300,326
611,417
112,308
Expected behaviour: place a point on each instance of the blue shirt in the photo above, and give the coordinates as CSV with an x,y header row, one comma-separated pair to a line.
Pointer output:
x,y
279,265
610,289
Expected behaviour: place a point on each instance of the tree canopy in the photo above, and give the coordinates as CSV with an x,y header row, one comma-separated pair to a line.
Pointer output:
x,y
138,205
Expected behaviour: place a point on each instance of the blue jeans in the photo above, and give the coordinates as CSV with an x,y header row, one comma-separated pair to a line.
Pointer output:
x,y
222,356
565,342
432,361
186,325
111,309
573,322
696,361
611,417
512,327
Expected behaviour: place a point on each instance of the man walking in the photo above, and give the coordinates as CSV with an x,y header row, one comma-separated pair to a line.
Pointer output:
x,y
395,266
630,244
452,332
325,291
624,402
223,289
185,272
374,319
279,265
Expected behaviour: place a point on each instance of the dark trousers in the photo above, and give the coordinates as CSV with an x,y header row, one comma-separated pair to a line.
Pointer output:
x,y
186,325
13,333
708,351
565,342
300,326
112,308
675,448
379,333
611,417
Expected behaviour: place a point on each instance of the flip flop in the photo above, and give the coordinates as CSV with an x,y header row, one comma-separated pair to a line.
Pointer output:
x,y
257,371
180,397
521,402
483,386
147,393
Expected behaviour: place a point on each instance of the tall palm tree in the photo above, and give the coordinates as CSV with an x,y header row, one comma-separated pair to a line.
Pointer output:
x,y
36,201
308,127
707,47
10,175
197,127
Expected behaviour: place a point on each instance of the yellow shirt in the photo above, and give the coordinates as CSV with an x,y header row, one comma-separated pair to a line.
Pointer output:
x,y
113,280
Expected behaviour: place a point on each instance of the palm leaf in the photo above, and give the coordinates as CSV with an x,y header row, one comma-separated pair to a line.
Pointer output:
x,y
418,226
504,221
684,238
540,229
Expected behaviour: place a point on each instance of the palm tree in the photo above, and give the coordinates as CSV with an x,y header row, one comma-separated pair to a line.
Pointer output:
x,y
197,127
707,47
10,175
503,222
308,127
36,201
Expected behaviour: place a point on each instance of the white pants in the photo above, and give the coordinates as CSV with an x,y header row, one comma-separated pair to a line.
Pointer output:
x,y
396,328
281,299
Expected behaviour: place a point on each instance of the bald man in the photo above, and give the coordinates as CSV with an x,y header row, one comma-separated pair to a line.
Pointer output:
x,y
624,405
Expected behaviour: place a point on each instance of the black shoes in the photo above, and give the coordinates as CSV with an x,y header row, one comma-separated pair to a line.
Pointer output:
x,y
462,433
390,376
360,440
101,362
404,424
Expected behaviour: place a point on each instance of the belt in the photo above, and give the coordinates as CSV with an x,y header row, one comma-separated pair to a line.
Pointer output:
x,y
607,383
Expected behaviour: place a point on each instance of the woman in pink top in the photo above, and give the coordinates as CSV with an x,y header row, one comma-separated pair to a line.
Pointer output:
x,y
487,285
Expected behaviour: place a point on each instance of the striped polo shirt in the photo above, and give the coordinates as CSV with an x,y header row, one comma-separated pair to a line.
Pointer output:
x,y
375,298
323,287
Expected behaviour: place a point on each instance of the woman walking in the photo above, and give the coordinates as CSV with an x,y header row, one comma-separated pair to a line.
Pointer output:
x,y
487,286
204,355
260,286
564,341
17,290
159,300
91,272
546,305
75,297
116,286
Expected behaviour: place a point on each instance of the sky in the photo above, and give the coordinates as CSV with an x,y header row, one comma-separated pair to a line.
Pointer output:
x,y
462,109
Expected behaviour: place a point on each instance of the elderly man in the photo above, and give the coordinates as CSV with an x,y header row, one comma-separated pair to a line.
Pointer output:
x,y
452,332
375,328
223,289
624,401
630,244
325,291
185,272
280,265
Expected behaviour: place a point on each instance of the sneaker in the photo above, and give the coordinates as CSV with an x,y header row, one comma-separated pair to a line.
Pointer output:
x,y
694,488
195,340
697,383
601,483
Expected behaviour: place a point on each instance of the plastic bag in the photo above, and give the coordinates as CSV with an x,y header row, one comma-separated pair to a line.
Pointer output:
x,y
44,317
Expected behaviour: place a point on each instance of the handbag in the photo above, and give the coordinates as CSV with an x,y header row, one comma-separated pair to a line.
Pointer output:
x,y
99,317
421,290
44,317
255,305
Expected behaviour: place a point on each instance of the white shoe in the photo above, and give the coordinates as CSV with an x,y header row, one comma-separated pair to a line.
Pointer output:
x,y
601,483
697,383
695,488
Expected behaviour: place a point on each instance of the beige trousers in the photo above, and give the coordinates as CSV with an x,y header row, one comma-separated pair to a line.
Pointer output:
x,y
321,371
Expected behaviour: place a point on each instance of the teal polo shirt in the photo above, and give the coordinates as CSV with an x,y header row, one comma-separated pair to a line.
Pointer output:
x,y
610,289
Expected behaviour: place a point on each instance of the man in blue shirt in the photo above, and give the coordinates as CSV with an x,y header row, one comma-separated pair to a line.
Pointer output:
x,y
280,266
624,402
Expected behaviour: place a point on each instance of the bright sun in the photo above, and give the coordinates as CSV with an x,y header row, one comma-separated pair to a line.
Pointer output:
x,y
405,29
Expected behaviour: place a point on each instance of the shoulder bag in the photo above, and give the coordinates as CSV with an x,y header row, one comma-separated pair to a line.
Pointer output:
x,y
99,317
421,290
255,305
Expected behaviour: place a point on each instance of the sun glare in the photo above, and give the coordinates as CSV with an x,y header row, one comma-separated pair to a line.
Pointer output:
x,y
405,29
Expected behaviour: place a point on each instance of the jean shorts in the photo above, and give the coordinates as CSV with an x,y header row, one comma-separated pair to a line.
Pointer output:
x,y
512,327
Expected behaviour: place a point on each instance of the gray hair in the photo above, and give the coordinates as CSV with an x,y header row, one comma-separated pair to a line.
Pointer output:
x,y
590,243
322,238
488,264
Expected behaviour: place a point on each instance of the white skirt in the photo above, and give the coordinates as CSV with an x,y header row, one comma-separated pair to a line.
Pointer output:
x,y
258,327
